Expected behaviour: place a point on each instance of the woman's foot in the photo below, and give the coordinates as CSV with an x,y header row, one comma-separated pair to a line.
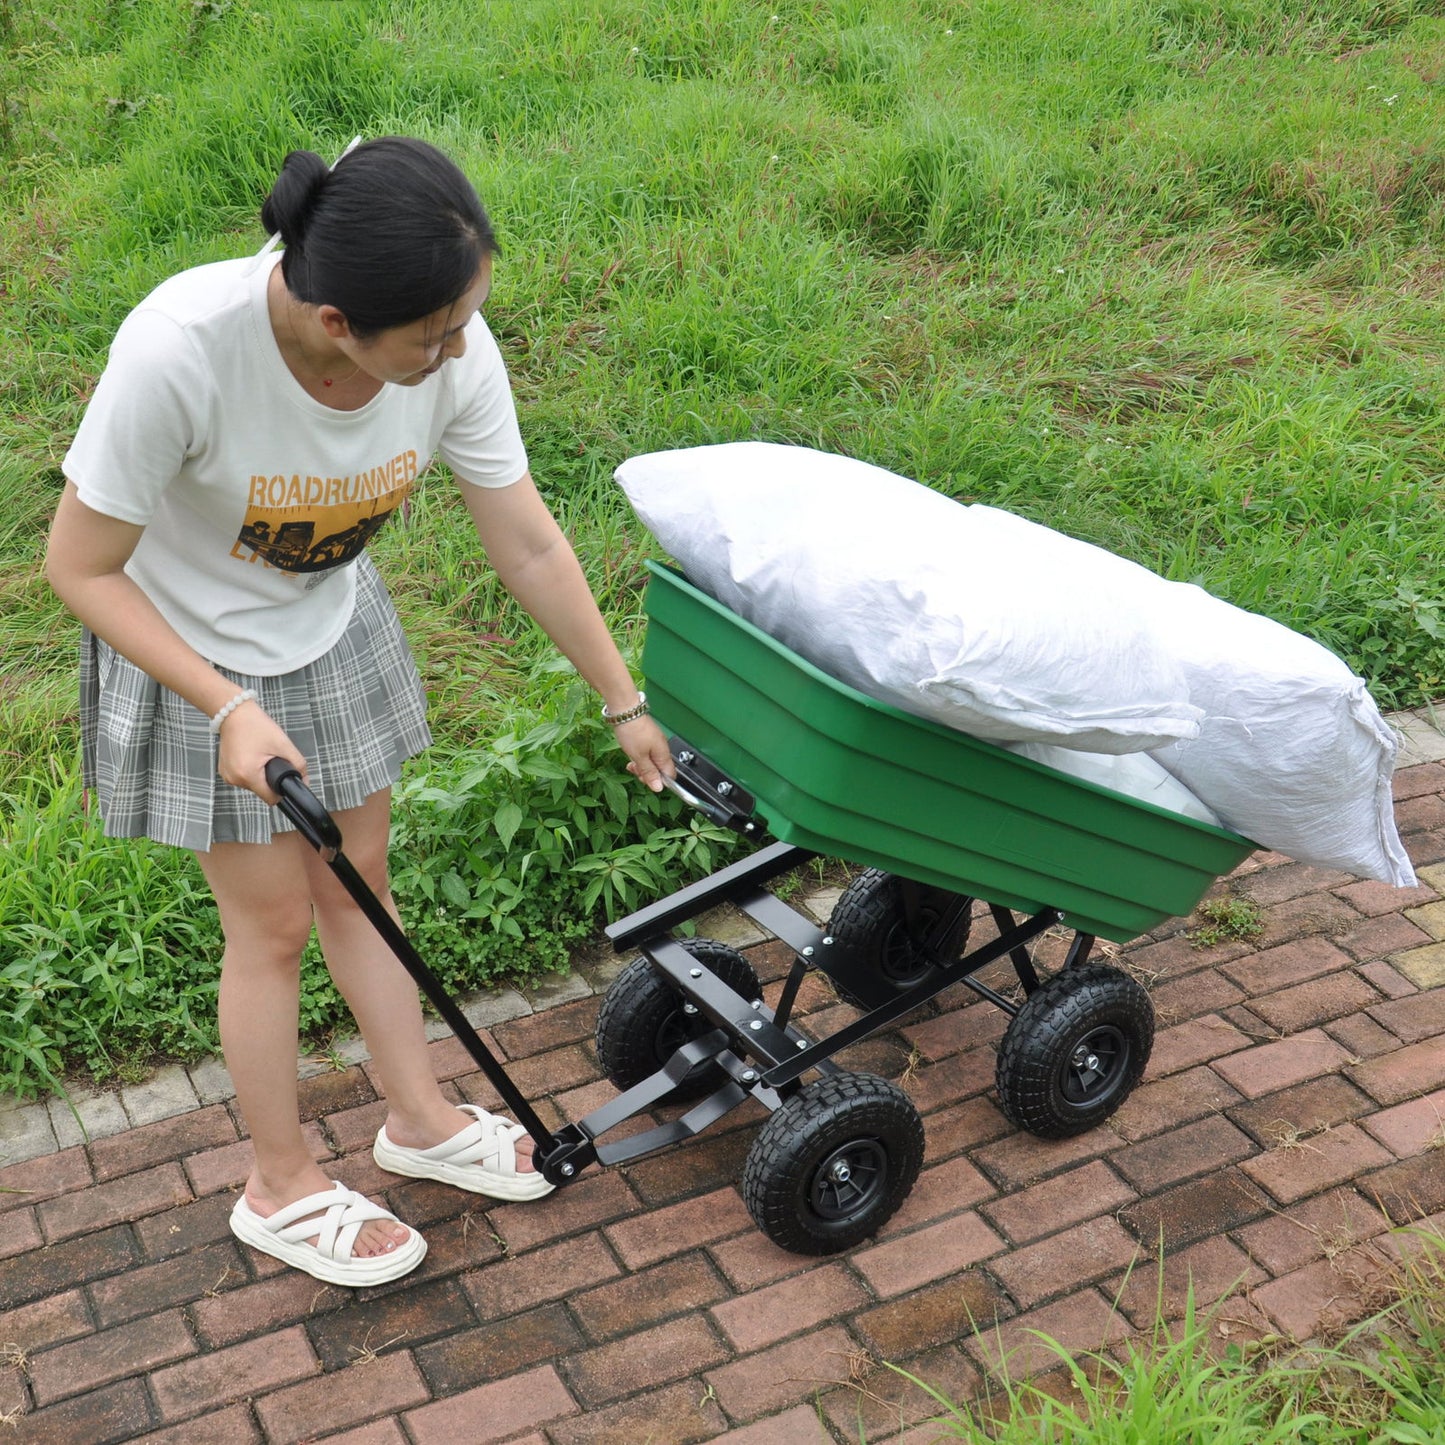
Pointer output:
x,y
376,1236
488,1155
440,1124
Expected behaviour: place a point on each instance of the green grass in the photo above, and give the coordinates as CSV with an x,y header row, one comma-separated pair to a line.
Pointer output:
x,y
1161,273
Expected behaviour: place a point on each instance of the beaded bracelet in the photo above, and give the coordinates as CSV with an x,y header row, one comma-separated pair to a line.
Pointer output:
x,y
639,709
244,696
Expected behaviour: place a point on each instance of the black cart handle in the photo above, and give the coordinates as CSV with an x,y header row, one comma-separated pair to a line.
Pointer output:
x,y
303,808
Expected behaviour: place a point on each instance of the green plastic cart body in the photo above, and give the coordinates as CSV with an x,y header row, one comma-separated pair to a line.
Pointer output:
x,y
839,773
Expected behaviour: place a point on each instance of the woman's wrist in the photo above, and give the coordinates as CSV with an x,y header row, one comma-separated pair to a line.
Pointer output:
x,y
617,715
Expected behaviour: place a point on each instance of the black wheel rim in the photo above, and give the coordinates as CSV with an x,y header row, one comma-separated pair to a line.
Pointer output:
x,y
849,1181
1095,1067
678,1028
902,961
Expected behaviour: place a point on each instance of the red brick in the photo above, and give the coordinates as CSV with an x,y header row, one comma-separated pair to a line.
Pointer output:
x,y
659,1233
252,1368
1190,1212
225,1168
1417,779
688,1414
1420,813
1179,956
109,1355
1289,963
49,1321
677,1286
937,1315
1292,880
1411,1128
572,1210
1317,1228
1066,1199
29,1182
536,1033
768,1315
1307,1005
1267,1067
412,1315
1318,915
957,1030
492,1412
352,1129
379,1387
555,1271
1018,1348
1325,1295
123,1199
118,1413
1199,1276
155,1287
1389,933
1413,1019
1168,1103
253,1309
231,1426
1197,993
963,1126
1372,898
645,1360
1198,1148
177,1231
48,1271
1408,1191
704,1164
943,1190
1021,1159
771,1380
1196,1042
1316,1164
21,1233
1392,1078
879,1399
169,1139
1302,1109
752,1259
1065,1262
798,1426
1361,1036
934,1252
504,1347
936,1086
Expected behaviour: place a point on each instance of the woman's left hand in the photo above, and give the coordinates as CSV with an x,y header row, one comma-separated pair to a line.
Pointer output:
x,y
646,745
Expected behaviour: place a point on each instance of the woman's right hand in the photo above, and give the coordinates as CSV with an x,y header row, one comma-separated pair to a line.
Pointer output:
x,y
250,738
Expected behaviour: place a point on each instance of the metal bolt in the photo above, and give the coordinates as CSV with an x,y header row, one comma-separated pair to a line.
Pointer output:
x,y
724,788
808,951
827,943
755,1024
694,973
568,1170
750,1076
840,1171
757,1003
689,1008
685,757
802,1043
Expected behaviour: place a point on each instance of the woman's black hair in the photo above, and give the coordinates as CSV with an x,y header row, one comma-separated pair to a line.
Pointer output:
x,y
392,233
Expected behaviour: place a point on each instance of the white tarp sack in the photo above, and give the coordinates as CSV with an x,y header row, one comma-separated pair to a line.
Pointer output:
x,y
885,585
1015,633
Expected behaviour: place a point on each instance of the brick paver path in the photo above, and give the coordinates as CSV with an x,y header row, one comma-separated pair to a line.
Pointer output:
x,y
1291,1117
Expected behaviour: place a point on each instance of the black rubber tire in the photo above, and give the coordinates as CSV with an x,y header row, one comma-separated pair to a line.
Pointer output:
x,y
793,1184
1045,1081
643,1019
869,921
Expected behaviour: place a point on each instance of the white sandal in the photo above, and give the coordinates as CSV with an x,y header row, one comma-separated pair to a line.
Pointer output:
x,y
482,1159
321,1245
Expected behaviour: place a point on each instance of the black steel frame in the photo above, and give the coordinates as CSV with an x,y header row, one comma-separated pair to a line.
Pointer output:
x,y
759,1050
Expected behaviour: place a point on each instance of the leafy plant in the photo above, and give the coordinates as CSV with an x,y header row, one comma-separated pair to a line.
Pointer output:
x,y
1225,919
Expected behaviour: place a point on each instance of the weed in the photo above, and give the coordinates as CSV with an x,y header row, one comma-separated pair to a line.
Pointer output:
x,y
1224,920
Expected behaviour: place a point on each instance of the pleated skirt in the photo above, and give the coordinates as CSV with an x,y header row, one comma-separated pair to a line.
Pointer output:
x,y
149,758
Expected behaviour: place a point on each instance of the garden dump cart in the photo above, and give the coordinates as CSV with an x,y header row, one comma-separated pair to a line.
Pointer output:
x,y
808,767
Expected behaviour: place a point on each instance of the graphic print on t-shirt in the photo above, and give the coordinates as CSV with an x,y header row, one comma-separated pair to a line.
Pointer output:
x,y
310,524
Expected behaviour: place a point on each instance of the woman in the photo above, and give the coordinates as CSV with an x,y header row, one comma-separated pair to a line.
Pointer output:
x,y
255,425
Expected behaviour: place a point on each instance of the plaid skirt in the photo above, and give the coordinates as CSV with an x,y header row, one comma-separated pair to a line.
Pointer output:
x,y
149,758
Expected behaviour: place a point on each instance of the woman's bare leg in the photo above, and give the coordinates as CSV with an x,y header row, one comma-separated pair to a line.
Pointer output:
x,y
380,993
262,891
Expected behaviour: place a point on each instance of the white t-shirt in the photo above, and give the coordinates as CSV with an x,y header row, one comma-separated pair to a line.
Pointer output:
x,y
254,496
